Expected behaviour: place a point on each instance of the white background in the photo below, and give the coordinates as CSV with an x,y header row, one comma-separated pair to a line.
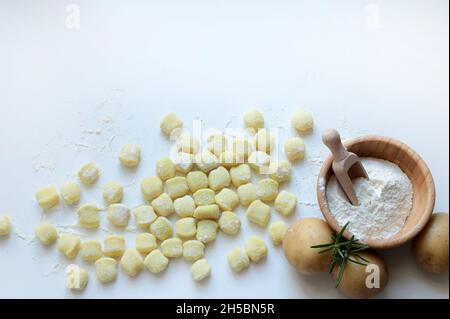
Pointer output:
x,y
74,95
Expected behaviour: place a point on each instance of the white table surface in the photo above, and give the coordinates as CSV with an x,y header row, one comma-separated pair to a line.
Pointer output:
x,y
76,95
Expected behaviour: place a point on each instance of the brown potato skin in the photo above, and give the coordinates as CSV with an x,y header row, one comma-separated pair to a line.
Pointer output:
x,y
297,244
353,282
430,247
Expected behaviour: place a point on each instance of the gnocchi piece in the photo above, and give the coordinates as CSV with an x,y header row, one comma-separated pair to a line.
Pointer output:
x,y
186,227
285,203
259,161
130,155
152,187
247,194
267,189
131,262
156,262
206,231
243,147
256,248
172,248
88,216
46,233
227,199
240,175
238,259
184,206
144,215
207,212
161,228
118,215
69,245
217,144
277,231
204,197
219,179
114,246
294,148
165,169
197,180
89,173
265,142
177,187
47,197
106,270
206,161
254,119
170,123
281,171
71,193
200,269
302,121
145,243
229,159
187,143
193,250
77,278
229,223
112,193
163,205
258,213
91,250
184,162
5,225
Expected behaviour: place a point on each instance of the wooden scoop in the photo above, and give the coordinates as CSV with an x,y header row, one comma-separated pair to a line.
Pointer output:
x,y
346,165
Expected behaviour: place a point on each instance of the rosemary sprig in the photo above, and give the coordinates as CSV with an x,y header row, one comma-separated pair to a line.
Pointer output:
x,y
343,251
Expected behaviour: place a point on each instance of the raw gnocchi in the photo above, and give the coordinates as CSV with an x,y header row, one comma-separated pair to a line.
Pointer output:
x,y
238,259
106,270
243,147
152,187
200,269
130,155
161,228
267,189
254,119
229,223
294,148
69,245
88,216
240,175
277,231
145,243
258,213
265,141
229,159
227,199
177,187
256,248
207,212
91,250
197,180
259,161
186,227
169,123
172,247
285,203
302,121
163,205
187,143
184,206
156,262
89,173
118,215
193,250
5,225
112,193
47,197
114,246
46,233
204,197
206,231
77,278
219,178
131,262
71,193
217,144
184,162
281,171
247,194
144,215
165,169
206,161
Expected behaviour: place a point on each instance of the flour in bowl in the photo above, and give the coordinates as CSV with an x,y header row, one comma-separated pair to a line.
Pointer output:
x,y
385,201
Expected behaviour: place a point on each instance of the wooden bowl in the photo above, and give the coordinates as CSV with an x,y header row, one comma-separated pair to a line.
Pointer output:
x,y
411,164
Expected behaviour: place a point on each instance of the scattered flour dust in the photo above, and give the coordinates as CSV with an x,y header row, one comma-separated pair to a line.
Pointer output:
x,y
385,201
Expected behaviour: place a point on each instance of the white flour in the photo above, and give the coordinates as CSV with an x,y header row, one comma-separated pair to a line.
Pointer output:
x,y
385,201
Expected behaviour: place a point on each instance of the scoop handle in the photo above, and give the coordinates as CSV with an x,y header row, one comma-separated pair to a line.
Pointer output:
x,y
332,140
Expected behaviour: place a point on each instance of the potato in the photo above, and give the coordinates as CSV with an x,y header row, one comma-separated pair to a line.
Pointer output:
x,y
360,281
298,241
430,247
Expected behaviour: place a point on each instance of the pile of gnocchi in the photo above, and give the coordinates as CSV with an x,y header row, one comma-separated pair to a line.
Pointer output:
x,y
201,187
